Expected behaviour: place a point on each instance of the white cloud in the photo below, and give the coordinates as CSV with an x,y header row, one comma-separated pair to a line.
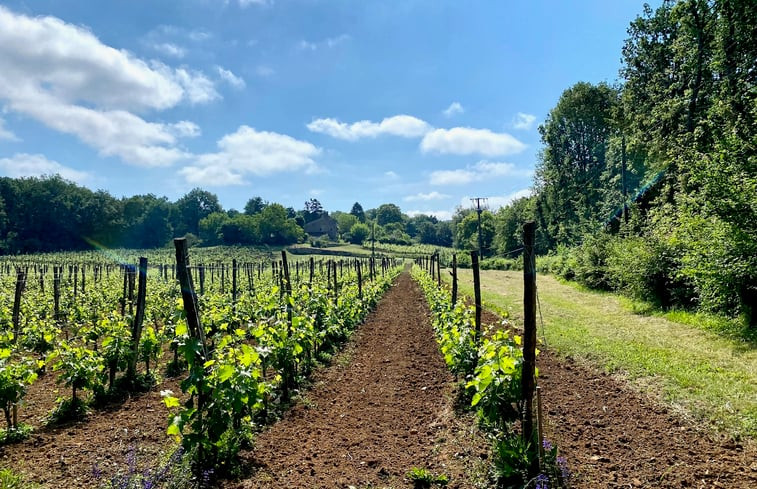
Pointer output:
x,y
28,165
170,49
247,3
426,197
483,170
251,152
398,125
307,46
47,55
442,215
465,140
185,129
497,201
391,175
453,109
230,78
330,42
524,121
63,76
453,177
264,71
6,134
335,41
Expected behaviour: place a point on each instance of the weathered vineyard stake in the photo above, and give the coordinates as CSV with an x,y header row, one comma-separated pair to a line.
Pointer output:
x,y
136,329
454,279
476,292
20,284
529,339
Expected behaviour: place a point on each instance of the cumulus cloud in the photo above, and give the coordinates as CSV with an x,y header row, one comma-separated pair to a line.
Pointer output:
x,y
426,197
497,201
399,125
453,109
28,165
465,140
170,49
250,152
230,78
63,76
442,215
6,134
483,170
524,121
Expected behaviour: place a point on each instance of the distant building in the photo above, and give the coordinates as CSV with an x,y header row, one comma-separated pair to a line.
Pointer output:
x,y
323,226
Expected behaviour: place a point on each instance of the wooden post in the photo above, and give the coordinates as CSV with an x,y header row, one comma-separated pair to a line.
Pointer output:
x,y
125,290
336,285
289,373
234,282
476,293
188,294
359,279
312,269
529,339
454,279
201,274
136,328
76,279
438,270
20,284
57,272
132,273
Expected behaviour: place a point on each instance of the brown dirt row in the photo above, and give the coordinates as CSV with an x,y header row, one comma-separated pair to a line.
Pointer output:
x,y
614,436
384,407
64,456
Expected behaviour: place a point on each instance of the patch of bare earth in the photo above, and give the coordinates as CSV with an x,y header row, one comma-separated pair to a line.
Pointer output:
x,y
613,436
382,408
64,457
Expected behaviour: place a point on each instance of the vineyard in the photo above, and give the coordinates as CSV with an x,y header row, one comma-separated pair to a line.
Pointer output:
x,y
104,332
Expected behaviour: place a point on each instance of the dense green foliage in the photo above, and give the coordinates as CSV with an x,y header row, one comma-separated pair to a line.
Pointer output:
x,y
651,188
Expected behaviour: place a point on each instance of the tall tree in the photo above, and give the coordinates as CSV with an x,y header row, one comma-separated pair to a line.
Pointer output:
x,y
254,206
195,205
388,213
576,135
357,211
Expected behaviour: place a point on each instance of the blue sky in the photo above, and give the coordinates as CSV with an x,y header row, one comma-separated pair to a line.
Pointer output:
x,y
420,103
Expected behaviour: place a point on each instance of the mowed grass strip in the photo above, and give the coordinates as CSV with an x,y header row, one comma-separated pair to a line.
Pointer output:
x,y
698,373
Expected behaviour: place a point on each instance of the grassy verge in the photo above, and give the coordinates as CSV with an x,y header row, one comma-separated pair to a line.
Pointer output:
x,y
696,371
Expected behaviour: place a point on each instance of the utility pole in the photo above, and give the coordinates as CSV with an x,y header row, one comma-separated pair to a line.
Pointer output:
x,y
480,203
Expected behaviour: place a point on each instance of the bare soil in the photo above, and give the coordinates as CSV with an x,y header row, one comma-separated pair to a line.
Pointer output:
x,y
65,456
614,436
384,407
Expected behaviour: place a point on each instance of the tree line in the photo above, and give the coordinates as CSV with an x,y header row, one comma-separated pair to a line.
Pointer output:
x,y
650,186
42,214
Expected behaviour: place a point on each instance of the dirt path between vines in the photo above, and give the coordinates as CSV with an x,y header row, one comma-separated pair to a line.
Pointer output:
x,y
614,436
384,407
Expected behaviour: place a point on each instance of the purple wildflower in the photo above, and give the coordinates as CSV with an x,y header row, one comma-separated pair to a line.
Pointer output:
x,y
546,444
542,481
563,465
